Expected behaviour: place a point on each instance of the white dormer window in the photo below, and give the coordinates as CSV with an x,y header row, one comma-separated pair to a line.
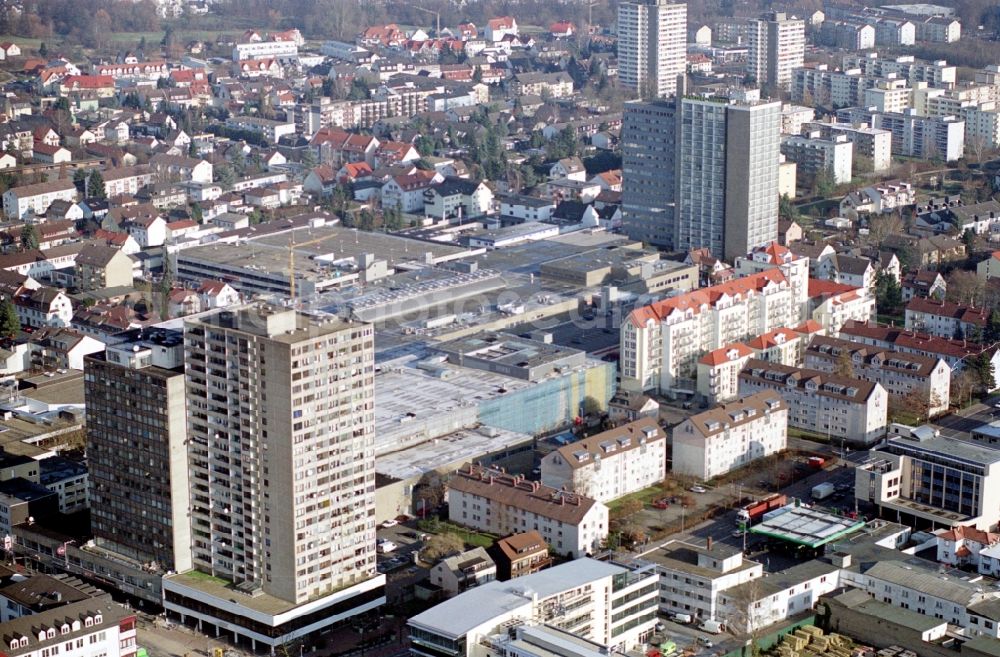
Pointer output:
x,y
76,625
50,633
64,629
98,619
88,622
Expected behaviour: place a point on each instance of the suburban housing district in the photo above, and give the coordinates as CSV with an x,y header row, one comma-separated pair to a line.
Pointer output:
x,y
625,328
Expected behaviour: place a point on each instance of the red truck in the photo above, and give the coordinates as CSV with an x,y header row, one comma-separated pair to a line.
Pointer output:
x,y
753,511
816,462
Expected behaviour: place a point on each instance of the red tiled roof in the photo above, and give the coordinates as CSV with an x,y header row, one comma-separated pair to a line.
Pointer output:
x,y
771,338
722,354
708,296
968,314
820,288
88,81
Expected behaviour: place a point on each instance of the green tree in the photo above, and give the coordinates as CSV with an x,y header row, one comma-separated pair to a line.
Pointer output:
x,y
43,50
10,325
366,220
888,294
225,176
787,209
824,184
983,371
95,185
992,331
196,213
29,237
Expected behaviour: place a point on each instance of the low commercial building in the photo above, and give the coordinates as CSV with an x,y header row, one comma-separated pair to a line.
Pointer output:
x,y
927,478
495,502
843,408
610,464
730,436
919,383
594,600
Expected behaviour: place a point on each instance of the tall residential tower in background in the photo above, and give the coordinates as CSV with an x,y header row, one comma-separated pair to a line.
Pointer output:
x,y
702,172
652,46
777,46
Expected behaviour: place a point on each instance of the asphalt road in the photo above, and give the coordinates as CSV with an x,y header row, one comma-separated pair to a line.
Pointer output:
x,y
961,423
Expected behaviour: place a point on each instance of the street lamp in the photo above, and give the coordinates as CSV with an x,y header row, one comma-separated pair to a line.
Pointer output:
x,y
65,552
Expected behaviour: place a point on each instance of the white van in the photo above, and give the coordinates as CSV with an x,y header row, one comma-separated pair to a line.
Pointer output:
x,y
711,626
682,618
385,547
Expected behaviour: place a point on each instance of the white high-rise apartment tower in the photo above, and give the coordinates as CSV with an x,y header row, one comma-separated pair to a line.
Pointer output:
x,y
777,47
282,473
652,46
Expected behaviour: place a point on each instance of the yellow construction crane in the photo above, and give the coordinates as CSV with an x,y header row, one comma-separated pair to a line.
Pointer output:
x,y
437,14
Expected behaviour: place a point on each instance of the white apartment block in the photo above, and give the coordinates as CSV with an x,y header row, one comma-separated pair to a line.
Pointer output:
x,y
936,74
785,345
652,46
694,577
89,628
126,180
928,137
794,116
593,600
776,48
28,201
873,143
845,409
888,96
813,154
660,343
288,516
610,464
264,50
502,504
719,372
915,381
945,319
835,304
730,436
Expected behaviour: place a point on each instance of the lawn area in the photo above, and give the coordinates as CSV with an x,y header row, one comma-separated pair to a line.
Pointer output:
x,y
646,496
896,320
205,577
471,537
807,435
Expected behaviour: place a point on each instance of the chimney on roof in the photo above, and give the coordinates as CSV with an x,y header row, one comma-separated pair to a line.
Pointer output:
x,y
708,543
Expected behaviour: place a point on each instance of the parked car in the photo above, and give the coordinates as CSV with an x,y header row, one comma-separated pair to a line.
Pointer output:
x,y
389,523
698,489
661,503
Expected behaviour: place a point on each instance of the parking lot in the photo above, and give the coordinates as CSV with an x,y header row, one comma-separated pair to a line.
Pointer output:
x,y
400,565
